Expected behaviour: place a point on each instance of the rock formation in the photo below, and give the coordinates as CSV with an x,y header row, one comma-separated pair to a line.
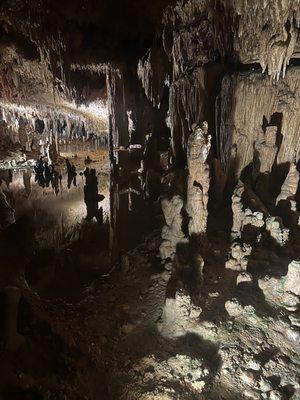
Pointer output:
x,y
198,148
238,257
265,151
172,232
285,290
237,211
277,231
290,185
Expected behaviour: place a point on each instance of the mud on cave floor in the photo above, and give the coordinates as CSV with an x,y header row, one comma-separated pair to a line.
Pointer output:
x,y
122,341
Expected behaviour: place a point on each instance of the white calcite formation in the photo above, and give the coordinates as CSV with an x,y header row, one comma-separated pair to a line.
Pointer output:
x,y
277,231
290,185
198,148
284,291
238,256
171,232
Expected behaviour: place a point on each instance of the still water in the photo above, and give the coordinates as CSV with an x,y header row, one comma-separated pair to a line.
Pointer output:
x,y
70,252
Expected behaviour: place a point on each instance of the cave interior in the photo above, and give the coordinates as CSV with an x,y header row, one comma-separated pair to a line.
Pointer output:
x,y
150,199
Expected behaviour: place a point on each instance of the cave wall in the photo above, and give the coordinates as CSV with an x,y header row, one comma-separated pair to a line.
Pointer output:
x,y
250,101
228,65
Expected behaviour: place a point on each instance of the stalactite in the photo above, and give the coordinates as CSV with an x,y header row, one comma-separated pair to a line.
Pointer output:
x,y
153,72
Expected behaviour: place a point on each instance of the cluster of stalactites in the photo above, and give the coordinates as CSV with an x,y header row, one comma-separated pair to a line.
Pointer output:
x,y
264,32
71,123
267,32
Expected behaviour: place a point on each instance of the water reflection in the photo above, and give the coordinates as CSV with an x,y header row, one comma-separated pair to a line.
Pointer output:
x,y
44,175
61,199
71,171
75,241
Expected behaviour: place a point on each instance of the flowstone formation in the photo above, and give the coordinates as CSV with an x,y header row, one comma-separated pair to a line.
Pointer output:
x,y
198,147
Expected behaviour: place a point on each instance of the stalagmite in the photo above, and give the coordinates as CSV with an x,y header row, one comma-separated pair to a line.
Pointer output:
x,y
290,185
277,231
238,256
172,232
253,218
237,211
198,148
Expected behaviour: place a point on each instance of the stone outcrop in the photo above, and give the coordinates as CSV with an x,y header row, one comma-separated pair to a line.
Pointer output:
x,y
172,232
198,148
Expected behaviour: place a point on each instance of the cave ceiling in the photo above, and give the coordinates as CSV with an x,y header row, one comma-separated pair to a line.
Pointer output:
x,y
55,47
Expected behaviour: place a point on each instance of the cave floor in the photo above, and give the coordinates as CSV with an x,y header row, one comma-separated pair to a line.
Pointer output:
x,y
96,323
121,340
